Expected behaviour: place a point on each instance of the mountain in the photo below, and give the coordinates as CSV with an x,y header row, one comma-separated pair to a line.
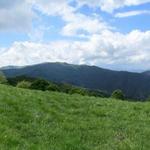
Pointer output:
x,y
10,67
147,72
134,85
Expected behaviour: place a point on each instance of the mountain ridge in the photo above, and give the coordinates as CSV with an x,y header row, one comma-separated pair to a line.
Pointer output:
x,y
65,63
134,85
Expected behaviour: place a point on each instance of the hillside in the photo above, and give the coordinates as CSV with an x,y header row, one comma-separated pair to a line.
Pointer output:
x,y
56,121
147,73
134,85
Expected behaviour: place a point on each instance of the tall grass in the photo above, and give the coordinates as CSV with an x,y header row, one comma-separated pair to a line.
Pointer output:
x,y
56,121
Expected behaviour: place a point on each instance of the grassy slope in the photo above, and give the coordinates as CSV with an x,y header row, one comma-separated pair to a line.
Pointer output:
x,y
56,121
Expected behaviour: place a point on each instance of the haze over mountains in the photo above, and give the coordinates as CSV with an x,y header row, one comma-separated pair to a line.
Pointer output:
x,y
134,85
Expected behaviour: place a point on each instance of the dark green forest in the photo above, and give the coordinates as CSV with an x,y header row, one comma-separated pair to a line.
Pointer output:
x,y
134,85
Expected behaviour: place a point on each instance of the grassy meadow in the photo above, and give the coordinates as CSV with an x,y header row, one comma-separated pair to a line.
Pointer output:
x,y
36,120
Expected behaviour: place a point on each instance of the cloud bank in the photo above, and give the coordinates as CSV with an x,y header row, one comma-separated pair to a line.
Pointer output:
x,y
102,44
105,49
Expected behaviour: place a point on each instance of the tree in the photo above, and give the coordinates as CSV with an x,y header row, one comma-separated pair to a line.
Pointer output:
x,y
148,98
3,79
15,80
97,93
65,87
24,84
78,90
118,94
53,87
40,84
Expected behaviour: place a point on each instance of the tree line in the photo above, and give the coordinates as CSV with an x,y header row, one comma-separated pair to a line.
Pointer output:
x,y
44,85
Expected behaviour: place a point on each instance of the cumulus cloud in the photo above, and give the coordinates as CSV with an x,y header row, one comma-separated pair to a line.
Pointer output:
x,y
15,15
25,53
106,49
81,25
55,8
76,24
103,46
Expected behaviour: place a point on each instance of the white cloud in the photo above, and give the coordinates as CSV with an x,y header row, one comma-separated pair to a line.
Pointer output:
x,y
25,53
15,15
77,24
106,49
52,7
20,14
80,25
132,13
111,5
103,46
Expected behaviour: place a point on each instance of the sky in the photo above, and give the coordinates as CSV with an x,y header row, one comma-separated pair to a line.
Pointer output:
x,y
113,34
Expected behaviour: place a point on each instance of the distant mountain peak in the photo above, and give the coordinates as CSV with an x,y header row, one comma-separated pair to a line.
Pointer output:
x,y
11,67
146,72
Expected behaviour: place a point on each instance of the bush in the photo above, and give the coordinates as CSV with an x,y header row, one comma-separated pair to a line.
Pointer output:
x,y
65,87
77,90
53,87
24,84
40,84
147,99
3,79
15,80
98,93
118,94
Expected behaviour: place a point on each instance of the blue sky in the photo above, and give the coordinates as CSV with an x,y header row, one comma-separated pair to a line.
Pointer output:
x,y
114,34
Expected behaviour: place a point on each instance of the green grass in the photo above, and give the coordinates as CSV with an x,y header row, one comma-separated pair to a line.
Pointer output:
x,y
35,120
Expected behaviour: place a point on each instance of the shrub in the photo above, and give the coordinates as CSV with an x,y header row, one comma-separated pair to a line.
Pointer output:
x,y
148,98
24,84
118,94
40,84
98,93
15,80
65,87
3,79
77,90
53,87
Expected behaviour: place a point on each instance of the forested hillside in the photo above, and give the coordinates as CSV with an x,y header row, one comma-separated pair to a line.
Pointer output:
x,y
134,85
